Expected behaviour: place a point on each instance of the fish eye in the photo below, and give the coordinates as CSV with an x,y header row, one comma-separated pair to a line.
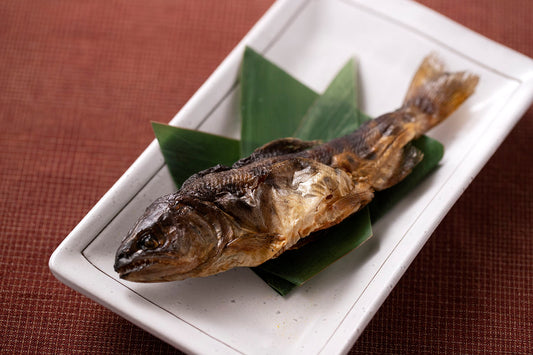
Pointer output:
x,y
148,241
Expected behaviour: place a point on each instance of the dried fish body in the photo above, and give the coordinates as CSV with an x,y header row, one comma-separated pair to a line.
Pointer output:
x,y
264,204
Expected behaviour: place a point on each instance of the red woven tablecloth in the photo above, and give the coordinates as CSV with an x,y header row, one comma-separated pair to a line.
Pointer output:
x,y
81,80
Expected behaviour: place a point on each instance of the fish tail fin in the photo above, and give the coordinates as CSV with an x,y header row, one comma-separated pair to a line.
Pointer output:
x,y
436,93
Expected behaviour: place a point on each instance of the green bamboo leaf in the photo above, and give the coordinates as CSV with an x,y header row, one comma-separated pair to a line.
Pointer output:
x,y
187,152
279,284
272,102
334,113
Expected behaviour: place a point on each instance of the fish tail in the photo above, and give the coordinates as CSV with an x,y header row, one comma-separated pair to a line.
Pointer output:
x,y
436,93
432,96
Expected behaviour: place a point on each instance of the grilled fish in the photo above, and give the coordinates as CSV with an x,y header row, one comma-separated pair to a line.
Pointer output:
x,y
246,214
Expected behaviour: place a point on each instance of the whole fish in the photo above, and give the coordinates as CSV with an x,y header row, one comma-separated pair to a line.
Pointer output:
x,y
246,214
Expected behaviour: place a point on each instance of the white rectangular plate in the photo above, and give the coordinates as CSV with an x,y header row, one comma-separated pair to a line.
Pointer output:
x,y
235,312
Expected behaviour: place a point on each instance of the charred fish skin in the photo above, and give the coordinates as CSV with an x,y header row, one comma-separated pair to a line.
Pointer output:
x,y
243,215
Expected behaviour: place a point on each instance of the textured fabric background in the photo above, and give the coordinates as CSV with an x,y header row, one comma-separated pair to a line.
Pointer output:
x,y
79,83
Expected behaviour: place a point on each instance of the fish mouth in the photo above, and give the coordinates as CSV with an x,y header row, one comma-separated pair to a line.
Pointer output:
x,y
154,268
146,270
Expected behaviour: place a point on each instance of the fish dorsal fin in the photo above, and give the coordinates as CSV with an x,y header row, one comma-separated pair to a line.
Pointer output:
x,y
215,169
276,148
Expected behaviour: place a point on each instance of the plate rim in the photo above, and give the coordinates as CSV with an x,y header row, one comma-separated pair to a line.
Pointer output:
x,y
70,251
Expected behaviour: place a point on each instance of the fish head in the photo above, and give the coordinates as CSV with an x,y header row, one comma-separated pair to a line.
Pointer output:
x,y
169,241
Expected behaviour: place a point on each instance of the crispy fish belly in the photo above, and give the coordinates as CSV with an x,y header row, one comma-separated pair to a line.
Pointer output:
x,y
264,204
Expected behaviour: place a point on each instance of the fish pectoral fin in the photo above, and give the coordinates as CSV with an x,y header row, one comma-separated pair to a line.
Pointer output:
x,y
276,148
